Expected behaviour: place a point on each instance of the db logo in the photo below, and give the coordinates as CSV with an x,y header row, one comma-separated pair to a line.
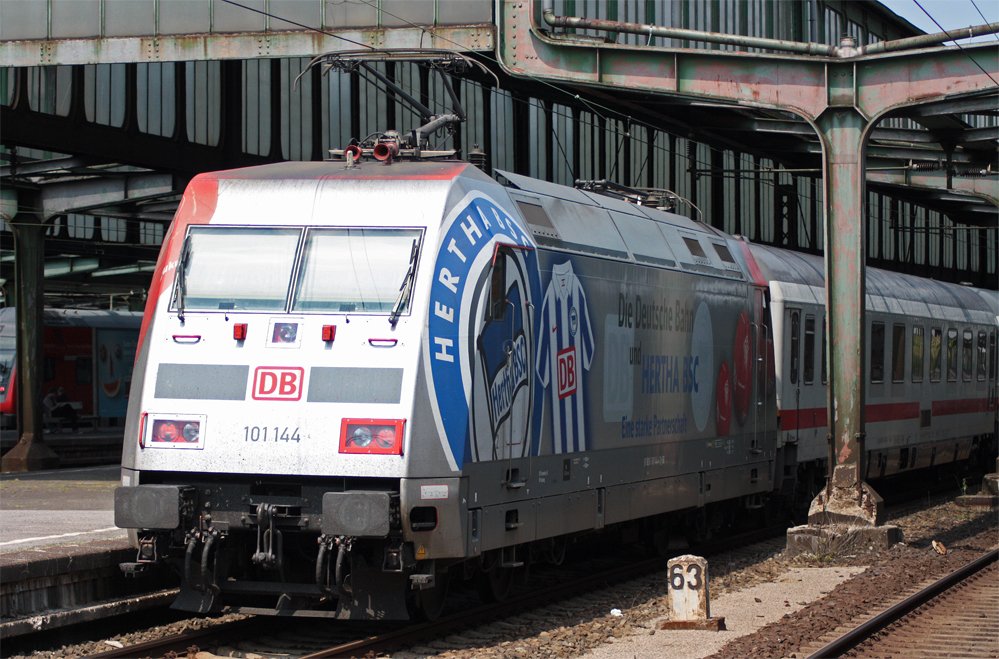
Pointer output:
x,y
278,383
567,372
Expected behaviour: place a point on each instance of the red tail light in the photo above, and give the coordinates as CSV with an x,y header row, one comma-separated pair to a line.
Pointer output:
x,y
239,331
329,333
372,436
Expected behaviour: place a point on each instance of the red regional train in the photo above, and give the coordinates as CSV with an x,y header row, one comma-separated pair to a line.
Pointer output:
x,y
89,353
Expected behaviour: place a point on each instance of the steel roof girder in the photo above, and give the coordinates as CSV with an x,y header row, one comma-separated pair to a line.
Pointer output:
x,y
78,196
795,84
980,187
972,104
974,135
39,167
800,84
922,76
885,152
239,45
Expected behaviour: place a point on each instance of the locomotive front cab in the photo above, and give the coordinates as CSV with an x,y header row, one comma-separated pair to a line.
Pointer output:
x,y
274,413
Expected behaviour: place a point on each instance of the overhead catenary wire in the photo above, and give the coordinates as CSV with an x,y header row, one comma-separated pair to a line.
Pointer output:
x,y
937,23
973,4
297,24
594,107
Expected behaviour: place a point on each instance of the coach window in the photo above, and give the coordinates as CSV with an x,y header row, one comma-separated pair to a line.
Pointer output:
x,y
809,349
936,339
982,355
993,355
967,355
897,353
951,354
917,353
825,354
877,352
795,341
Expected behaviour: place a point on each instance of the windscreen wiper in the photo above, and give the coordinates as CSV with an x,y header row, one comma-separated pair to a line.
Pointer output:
x,y
181,287
406,289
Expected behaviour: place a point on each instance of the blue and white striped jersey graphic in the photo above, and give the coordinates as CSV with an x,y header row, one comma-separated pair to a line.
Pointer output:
x,y
565,348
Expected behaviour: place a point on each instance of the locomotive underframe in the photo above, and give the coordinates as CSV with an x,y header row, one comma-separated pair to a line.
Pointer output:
x,y
363,547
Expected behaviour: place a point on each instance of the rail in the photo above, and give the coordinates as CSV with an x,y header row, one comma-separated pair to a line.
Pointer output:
x,y
863,632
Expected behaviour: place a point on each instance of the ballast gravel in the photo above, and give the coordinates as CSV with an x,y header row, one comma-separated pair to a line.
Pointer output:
x,y
801,599
774,606
744,612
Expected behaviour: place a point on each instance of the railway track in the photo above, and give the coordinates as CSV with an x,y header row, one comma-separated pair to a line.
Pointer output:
x,y
465,620
358,640
957,615
311,639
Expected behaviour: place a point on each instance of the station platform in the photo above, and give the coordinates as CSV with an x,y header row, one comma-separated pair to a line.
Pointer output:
x,y
91,446
60,550
42,509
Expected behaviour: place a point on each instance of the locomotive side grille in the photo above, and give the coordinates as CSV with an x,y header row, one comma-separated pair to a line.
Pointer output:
x,y
201,381
331,384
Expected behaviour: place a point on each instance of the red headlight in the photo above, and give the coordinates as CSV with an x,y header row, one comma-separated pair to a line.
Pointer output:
x,y
171,432
372,436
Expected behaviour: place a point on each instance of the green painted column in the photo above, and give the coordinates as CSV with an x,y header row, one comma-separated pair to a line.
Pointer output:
x,y
847,499
30,452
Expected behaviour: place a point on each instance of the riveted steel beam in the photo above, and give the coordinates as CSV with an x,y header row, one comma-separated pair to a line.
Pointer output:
x,y
984,134
240,45
93,193
984,187
975,104
804,85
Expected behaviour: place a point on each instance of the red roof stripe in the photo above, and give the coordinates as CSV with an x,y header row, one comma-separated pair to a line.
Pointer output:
x,y
196,207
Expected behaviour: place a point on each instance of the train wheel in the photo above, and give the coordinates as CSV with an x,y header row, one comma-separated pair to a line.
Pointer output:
x,y
556,550
428,603
495,585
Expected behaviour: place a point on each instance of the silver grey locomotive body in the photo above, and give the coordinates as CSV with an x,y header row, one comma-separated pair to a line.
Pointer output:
x,y
352,381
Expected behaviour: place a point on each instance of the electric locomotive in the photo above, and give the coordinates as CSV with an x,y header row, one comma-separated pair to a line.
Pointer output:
x,y
357,380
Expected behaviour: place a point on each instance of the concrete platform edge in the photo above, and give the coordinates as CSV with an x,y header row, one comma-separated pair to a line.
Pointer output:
x,y
62,618
53,560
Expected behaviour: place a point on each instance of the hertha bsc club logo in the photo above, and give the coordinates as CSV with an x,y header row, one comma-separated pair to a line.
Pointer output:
x,y
480,341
